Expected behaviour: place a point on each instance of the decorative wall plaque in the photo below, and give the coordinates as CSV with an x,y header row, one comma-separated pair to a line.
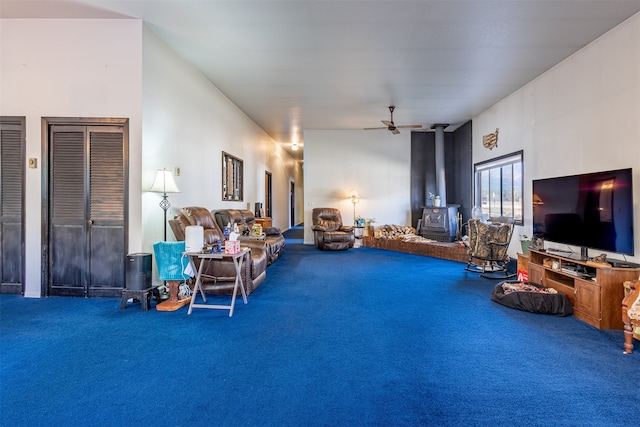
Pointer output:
x,y
490,140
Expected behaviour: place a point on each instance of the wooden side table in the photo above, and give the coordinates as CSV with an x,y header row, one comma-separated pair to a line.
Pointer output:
x,y
264,222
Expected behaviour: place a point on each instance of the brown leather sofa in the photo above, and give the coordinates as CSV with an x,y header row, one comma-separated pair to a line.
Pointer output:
x,y
329,233
218,275
275,241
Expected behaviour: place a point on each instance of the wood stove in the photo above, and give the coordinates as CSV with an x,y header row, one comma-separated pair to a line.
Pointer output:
x,y
439,223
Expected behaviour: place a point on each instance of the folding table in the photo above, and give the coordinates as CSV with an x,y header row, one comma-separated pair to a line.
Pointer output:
x,y
207,257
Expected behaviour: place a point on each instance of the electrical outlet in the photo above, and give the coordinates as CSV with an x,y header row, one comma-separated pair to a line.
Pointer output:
x,y
177,171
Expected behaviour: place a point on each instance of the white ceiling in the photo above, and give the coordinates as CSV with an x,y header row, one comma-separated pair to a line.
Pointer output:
x,y
337,64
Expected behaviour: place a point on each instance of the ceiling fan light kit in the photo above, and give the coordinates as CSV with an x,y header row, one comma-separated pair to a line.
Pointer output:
x,y
391,126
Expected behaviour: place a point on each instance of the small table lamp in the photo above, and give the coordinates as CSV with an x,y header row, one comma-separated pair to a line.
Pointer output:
x,y
164,183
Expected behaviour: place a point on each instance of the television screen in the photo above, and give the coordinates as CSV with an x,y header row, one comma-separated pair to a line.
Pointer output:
x,y
593,210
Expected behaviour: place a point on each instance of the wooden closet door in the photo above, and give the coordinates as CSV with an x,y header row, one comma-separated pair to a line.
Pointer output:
x,y
107,237
86,211
12,160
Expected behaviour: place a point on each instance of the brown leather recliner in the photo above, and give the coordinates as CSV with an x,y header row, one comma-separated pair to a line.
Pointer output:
x,y
245,219
328,232
218,275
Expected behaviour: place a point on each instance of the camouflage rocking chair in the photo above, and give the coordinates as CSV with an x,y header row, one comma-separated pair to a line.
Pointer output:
x,y
487,247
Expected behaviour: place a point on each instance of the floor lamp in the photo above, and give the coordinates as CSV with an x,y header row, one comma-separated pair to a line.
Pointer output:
x,y
164,183
355,199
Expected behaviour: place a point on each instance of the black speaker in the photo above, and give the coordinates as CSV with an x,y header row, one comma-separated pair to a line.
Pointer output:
x,y
138,271
258,208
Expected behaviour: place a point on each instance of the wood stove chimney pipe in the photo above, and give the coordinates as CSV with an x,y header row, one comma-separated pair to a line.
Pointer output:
x,y
441,184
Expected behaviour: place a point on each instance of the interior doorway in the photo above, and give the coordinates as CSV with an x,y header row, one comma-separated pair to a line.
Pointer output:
x,y
292,203
267,194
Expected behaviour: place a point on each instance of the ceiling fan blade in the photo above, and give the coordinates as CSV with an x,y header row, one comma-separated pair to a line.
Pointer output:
x,y
391,126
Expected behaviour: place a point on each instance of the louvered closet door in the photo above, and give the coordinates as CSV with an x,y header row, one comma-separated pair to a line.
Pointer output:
x,y
87,211
11,195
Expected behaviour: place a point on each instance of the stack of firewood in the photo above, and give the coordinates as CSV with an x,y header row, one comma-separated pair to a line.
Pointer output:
x,y
388,231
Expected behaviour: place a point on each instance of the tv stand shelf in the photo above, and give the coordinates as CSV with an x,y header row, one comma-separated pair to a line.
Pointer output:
x,y
595,292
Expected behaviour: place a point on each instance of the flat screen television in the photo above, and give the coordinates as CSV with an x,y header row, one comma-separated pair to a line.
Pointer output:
x,y
591,210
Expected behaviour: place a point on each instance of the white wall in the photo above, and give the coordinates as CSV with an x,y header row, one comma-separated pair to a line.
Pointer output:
x,y
70,68
581,116
375,163
188,123
119,68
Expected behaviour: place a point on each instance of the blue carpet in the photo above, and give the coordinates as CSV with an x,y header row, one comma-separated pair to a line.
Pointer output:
x,y
364,337
295,234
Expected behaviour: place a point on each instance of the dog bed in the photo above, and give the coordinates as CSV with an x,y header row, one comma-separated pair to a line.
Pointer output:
x,y
532,297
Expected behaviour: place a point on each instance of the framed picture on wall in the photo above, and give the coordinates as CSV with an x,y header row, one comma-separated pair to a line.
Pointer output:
x,y
232,178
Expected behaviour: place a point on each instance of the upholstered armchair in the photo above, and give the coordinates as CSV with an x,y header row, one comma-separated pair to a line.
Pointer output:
x,y
487,246
329,233
631,313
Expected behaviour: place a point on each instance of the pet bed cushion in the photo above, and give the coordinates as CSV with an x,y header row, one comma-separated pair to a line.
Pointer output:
x,y
532,297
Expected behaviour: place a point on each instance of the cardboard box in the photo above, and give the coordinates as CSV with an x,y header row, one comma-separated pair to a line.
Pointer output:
x,y
231,247
523,276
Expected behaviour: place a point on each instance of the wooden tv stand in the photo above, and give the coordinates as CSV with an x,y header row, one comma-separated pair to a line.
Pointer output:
x,y
596,296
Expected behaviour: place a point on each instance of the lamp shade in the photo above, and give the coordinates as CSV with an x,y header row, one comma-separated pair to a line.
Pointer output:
x,y
164,182
354,196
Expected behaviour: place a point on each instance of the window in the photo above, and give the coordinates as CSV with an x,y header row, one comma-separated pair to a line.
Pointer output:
x,y
499,187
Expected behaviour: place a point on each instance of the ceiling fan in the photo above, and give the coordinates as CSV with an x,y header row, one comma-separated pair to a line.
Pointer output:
x,y
392,126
